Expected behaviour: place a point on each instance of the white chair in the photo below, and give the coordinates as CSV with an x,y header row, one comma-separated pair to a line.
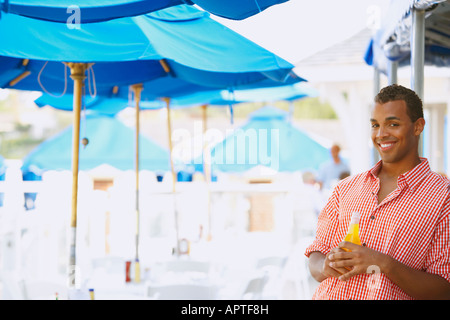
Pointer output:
x,y
16,287
297,288
45,290
12,286
254,289
275,262
107,272
183,292
296,279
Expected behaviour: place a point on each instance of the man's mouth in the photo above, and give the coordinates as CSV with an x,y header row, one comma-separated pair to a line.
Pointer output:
x,y
385,146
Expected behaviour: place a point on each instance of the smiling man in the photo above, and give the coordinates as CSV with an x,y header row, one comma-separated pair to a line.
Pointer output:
x,y
405,216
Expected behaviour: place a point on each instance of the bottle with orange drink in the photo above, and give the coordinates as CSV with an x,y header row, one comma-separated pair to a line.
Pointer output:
x,y
353,230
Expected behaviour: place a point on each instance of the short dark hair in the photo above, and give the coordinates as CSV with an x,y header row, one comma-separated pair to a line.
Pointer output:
x,y
393,92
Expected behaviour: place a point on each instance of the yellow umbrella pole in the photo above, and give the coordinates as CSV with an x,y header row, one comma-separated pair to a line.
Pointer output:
x,y
207,167
78,74
137,89
174,179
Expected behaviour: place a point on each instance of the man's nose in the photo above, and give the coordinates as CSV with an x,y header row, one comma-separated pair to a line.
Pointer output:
x,y
381,132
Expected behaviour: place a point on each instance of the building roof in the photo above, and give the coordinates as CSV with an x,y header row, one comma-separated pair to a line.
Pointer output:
x,y
349,51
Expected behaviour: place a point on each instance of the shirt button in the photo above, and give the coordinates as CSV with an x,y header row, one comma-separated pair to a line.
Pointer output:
x,y
372,217
364,244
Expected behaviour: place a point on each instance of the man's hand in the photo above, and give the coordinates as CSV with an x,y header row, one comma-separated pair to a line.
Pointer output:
x,y
329,270
357,261
416,283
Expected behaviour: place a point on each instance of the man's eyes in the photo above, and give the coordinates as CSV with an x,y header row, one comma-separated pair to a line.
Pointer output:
x,y
376,125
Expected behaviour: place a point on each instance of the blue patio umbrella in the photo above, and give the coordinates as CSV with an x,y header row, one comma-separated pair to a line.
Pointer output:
x,y
185,37
211,98
109,143
181,97
204,98
173,42
179,43
86,11
153,91
99,104
225,98
270,140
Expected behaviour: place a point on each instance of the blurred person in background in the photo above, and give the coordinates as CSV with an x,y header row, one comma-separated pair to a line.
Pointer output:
x,y
330,171
312,191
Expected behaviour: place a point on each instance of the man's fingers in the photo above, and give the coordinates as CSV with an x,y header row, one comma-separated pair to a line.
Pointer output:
x,y
348,275
348,263
333,272
341,270
340,256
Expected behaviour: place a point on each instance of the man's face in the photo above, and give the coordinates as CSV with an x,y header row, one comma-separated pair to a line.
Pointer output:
x,y
394,135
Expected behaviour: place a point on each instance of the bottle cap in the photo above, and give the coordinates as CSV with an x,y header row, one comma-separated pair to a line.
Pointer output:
x,y
355,217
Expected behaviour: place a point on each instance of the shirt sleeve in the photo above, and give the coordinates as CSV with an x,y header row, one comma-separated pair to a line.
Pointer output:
x,y
438,258
326,226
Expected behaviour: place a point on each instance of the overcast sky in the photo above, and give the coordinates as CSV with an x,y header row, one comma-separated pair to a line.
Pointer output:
x,y
298,28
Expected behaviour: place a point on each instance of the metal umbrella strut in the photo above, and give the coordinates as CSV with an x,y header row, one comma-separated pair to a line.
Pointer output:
x,y
173,174
77,73
137,89
207,167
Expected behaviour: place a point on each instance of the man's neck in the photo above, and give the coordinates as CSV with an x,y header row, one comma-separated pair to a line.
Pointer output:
x,y
394,170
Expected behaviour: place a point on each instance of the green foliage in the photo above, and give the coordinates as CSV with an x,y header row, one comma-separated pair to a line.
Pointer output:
x,y
312,108
306,108
17,143
17,147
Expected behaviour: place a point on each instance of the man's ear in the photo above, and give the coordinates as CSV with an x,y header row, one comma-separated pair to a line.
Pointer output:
x,y
418,126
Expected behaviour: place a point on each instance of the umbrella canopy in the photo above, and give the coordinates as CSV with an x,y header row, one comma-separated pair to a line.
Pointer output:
x,y
101,104
392,41
193,46
270,140
110,142
112,105
86,11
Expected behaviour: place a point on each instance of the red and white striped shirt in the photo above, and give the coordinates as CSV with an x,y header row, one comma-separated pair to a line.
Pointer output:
x,y
412,225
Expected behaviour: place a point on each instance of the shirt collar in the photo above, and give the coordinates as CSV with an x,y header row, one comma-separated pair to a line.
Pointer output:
x,y
411,178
